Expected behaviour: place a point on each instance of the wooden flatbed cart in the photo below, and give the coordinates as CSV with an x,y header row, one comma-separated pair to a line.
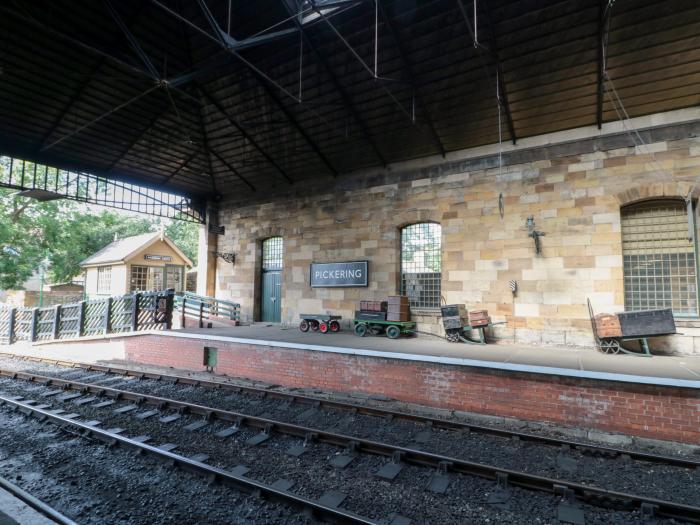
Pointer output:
x,y
392,329
634,326
455,335
323,323
458,326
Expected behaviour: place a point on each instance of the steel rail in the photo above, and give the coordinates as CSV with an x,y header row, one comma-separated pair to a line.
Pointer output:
x,y
250,486
35,503
436,423
587,493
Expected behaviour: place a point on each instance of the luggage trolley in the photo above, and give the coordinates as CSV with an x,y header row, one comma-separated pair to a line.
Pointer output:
x,y
633,326
457,325
319,322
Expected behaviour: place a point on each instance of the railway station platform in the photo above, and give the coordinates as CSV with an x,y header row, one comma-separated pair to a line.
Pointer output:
x,y
653,397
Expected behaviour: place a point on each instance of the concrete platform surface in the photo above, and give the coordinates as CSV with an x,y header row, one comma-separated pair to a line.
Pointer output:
x,y
572,358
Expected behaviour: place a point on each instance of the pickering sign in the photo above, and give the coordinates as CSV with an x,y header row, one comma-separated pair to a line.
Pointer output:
x,y
339,274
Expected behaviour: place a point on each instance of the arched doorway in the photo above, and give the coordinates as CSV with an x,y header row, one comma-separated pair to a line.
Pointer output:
x,y
271,276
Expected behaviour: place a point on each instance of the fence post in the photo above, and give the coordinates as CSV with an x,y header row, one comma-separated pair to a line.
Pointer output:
x,y
81,318
11,326
135,312
201,314
32,326
169,301
107,317
183,305
56,320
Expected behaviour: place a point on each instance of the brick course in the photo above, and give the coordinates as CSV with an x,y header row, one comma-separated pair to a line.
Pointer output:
x,y
657,412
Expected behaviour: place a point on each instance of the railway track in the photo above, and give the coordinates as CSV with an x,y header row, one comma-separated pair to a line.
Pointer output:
x,y
35,503
430,422
571,493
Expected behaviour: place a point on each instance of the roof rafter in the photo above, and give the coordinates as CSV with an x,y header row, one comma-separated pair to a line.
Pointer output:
x,y
400,45
347,100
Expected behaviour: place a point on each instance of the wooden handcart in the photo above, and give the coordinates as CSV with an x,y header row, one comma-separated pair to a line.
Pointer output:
x,y
634,326
392,329
319,322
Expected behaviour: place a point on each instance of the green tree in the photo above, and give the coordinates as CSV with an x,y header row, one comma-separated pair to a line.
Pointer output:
x,y
66,232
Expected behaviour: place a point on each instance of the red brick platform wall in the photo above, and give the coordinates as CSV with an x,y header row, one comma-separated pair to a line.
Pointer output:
x,y
658,412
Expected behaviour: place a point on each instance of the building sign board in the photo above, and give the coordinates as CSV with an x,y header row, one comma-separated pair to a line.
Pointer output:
x,y
150,257
338,274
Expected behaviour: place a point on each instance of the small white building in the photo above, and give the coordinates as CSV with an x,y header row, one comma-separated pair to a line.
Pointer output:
x,y
146,262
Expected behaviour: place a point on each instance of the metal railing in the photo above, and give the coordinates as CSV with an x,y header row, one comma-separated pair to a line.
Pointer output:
x,y
203,308
127,313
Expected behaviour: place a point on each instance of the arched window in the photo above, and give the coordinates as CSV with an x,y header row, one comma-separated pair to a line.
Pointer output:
x,y
421,264
272,254
659,256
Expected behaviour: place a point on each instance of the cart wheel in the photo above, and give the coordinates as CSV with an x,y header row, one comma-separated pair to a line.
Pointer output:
x,y
393,332
452,336
360,329
610,346
304,326
334,326
314,325
323,327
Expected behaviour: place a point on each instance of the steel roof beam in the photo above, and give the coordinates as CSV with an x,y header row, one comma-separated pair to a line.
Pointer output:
x,y
403,55
603,18
262,79
347,101
243,132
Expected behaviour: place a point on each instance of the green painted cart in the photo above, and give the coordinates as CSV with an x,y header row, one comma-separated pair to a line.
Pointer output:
x,y
392,329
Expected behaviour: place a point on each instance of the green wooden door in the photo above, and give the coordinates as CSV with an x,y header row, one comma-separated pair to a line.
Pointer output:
x,y
272,296
272,261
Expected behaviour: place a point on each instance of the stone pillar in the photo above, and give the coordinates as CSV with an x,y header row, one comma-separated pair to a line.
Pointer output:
x,y
206,257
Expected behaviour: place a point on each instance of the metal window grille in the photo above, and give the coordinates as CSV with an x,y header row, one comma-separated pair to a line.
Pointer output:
x,y
104,279
421,264
272,253
659,261
139,275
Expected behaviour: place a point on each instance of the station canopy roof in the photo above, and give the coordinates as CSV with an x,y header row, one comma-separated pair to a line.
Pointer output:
x,y
231,97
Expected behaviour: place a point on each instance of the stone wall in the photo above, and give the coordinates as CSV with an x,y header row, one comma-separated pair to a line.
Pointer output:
x,y
574,192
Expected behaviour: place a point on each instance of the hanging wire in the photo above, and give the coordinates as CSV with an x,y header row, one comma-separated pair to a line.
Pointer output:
x,y
476,28
616,101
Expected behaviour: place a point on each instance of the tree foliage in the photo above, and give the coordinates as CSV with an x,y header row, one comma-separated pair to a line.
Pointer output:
x,y
62,233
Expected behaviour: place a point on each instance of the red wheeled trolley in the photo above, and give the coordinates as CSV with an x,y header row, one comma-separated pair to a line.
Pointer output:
x,y
322,323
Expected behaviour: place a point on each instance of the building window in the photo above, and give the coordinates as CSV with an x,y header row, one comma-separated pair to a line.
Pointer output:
x,y
421,264
173,277
104,279
139,276
659,261
272,253
154,283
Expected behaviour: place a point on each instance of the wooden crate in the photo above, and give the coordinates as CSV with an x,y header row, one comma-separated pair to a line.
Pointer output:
x,y
370,316
398,300
608,325
373,306
401,316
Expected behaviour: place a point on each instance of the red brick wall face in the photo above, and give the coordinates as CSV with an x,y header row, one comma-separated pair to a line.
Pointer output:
x,y
649,411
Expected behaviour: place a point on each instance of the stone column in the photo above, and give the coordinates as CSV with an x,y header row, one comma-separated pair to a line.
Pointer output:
x,y
206,256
